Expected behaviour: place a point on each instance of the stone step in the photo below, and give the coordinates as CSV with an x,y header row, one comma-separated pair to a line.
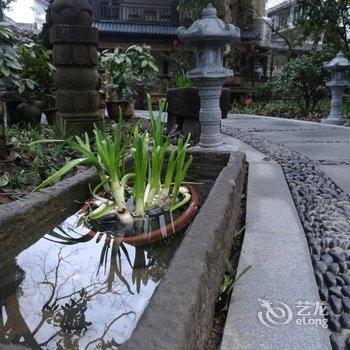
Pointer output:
x,y
281,272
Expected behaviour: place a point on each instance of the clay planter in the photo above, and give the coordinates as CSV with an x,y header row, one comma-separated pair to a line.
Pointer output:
x,y
29,112
126,107
233,80
149,237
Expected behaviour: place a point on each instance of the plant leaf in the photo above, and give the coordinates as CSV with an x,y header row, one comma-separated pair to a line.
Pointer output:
x,y
58,174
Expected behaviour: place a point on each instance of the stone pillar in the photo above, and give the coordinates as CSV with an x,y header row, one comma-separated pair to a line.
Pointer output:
x,y
337,84
75,57
209,36
210,113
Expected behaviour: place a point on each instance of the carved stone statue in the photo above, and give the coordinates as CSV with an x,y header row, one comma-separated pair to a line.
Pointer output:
x,y
75,57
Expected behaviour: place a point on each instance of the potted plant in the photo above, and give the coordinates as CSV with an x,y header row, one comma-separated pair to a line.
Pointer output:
x,y
127,198
122,70
34,82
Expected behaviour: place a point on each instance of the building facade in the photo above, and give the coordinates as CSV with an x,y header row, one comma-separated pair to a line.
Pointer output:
x,y
284,18
122,23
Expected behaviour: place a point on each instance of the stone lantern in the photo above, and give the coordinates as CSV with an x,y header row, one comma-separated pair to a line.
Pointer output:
x,y
208,36
337,67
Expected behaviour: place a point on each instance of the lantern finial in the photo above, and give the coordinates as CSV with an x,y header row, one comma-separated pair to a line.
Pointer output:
x,y
209,11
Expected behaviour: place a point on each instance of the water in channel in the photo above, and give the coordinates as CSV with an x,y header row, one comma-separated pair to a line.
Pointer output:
x,y
70,290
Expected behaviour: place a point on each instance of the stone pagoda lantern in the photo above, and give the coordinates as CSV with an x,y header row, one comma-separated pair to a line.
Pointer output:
x,y
208,36
337,67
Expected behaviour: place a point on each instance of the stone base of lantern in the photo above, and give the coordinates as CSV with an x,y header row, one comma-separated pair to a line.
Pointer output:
x,y
209,89
333,121
79,123
184,107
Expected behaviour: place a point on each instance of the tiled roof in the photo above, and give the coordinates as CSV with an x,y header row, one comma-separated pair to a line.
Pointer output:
x,y
154,29
135,28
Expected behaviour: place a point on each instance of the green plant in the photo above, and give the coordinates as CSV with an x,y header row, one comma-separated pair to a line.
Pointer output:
x,y
230,278
122,69
181,60
195,7
149,156
36,76
157,122
10,66
141,160
182,81
60,129
13,180
328,20
303,78
264,92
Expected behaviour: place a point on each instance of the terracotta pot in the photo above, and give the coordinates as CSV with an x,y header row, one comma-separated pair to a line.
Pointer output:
x,y
29,112
233,80
149,237
126,107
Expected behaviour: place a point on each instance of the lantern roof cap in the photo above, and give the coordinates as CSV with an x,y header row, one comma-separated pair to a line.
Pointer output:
x,y
209,28
339,63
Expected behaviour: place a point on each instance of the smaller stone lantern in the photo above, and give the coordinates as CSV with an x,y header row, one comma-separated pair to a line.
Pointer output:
x,y
208,36
337,67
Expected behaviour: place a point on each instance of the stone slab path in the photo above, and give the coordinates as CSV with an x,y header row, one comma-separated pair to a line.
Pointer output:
x,y
329,145
276,249
315,162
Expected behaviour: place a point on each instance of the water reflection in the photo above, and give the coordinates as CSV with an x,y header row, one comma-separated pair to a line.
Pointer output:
x,y
73,291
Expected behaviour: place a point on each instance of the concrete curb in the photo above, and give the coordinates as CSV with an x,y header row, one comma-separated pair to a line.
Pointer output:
x,y
300,122
276,248
180,313
31,215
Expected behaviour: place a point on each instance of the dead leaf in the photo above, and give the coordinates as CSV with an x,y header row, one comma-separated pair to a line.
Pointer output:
x,y
4,199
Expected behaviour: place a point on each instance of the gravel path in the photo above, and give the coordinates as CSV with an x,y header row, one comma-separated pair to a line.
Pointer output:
x,y
324,210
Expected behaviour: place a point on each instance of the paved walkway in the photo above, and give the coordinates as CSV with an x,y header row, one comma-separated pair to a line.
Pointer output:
x,y
329,145
315,160
297,237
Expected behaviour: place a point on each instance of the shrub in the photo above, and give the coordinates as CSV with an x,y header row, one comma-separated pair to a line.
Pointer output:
x,y
123,68
304,79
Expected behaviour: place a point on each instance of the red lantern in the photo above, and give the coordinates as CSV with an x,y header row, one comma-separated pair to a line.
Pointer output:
x,y
248,101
